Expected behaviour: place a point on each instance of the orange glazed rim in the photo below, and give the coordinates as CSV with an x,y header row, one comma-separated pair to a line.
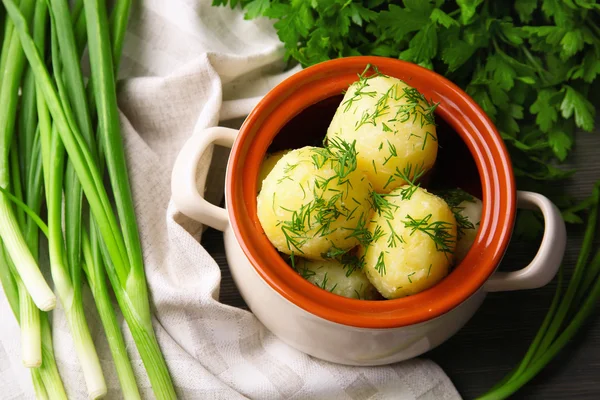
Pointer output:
x,y
328,79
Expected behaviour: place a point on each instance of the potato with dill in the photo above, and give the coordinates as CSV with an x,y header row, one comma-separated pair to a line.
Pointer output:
x,y
394,127
314,202
467,211
333,276
413,240
268,164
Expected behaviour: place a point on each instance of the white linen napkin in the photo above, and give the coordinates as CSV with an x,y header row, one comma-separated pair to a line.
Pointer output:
x,y
187,66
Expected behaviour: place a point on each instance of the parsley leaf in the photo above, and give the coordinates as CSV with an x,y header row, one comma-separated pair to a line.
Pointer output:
x,y
575,102
545,109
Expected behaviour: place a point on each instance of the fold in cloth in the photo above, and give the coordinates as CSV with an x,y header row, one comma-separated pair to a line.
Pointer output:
x,y
186,66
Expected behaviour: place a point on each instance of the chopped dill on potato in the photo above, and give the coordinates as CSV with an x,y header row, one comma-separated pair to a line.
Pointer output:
x,y
439,231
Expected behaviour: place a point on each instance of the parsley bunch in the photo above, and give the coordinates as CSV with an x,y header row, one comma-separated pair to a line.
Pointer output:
x,y
530,64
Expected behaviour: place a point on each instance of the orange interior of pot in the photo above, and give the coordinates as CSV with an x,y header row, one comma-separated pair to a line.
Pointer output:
x,y
297,112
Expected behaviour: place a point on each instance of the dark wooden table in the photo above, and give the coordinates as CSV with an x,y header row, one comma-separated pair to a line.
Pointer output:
x,y
497,337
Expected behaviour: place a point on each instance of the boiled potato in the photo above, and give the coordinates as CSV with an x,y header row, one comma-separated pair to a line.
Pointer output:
x,y
394,129
414,237
268,164
332,276
312,202
467,211
470,216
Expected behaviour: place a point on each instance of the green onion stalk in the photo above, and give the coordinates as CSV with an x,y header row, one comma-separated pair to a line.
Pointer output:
x,y
38,385
28,185
36,337
12,63
567,313
94,268
131,292
31,340
48,371
66,279
120,243
53,158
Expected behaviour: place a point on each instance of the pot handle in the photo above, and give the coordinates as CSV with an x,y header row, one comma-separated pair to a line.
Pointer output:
x,y
546,262
184,190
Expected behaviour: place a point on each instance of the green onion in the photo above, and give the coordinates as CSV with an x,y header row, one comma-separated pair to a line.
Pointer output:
x,y
94,269
68,285
120,243
9,285
118,24
53,155
29,317
75,94
38,385
48,370
31,342
133,292
565,316
13,60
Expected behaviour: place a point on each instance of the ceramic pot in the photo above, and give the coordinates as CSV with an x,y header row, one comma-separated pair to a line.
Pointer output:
x,y
339,329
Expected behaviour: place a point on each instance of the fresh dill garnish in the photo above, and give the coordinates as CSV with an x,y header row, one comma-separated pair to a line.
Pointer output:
x,y
289,168
393,152
343,155
453,197
319,157
352,262
374,167
326,212
303,191
285,178
390,180
427,134
360,232
409,275
380,265
358,94
361,85
350,215
462,222
334,253
382,206
323,284
429,270
381,108
394,237
306,273
378,233
385,127
438,231
416,107
409,174
380,146
301,268
321,183
415,135
295,229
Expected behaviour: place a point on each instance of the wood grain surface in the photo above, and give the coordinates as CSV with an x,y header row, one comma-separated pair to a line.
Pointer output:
x,y
498,335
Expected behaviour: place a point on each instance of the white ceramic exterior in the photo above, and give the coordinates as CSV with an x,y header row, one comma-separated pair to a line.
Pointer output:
x,y
333,341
